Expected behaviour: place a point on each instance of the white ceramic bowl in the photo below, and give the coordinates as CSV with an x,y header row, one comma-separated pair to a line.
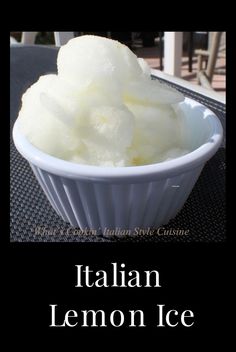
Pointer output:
x,y
125,197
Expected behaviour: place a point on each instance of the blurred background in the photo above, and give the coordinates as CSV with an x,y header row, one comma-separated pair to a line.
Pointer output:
x,y
197,57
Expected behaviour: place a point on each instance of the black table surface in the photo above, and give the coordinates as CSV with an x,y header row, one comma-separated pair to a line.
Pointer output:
x,y
32,219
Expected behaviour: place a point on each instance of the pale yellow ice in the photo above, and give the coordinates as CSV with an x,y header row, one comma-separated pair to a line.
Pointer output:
x,y
102,108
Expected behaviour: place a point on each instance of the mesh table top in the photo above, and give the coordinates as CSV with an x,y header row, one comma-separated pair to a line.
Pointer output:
x,y
32,219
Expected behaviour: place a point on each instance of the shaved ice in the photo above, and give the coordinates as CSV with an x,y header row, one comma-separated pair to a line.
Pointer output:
x,y
102,108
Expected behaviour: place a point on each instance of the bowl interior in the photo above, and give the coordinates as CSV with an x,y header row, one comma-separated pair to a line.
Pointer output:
x,y
199,121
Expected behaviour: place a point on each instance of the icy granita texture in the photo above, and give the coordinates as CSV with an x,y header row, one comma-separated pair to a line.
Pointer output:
x,y
103,108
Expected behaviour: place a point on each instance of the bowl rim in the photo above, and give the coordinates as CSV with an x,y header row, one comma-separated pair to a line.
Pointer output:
x,y
163,169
